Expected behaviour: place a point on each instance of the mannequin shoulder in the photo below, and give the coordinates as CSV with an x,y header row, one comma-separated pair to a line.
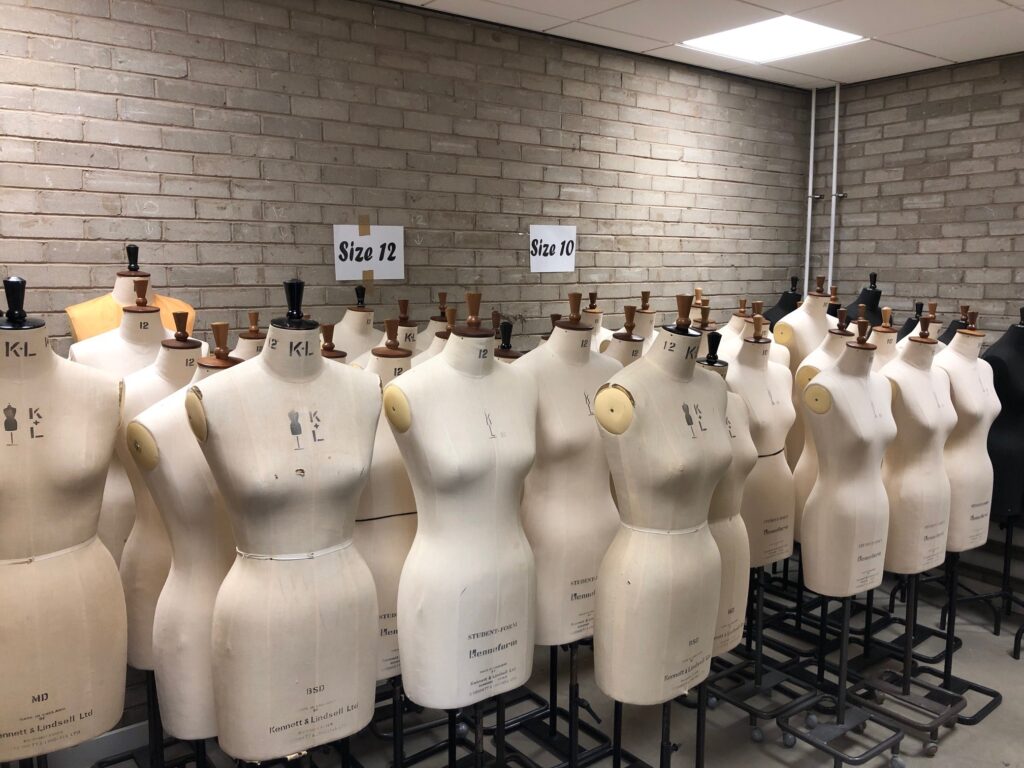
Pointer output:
x,y
817,398
780,355
397,408
142,446
804,375
87,350
780,372
614,408
882,385
783,332
363,382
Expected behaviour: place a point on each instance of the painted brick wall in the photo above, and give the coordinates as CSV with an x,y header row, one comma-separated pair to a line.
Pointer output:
x,y
933,168
225,136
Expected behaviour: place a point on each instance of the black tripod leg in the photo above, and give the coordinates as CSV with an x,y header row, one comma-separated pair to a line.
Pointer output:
x,y
908,636
951,577
397,728
702,725
617,735
499,733
666,735
199,750
452,736
553,692
574,707
156,729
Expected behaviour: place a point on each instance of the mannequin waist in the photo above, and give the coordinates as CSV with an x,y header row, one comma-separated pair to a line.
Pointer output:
x,y
311,555
667,532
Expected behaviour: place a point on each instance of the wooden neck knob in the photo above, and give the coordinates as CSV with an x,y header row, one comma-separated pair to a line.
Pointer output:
x,y
220,340
180,326
327,331
833,294
705,313
254,322
645,300
887,317
862,331
819,284
698,297
574,307
932,306
391,331
442,302
841,317
742,312
593,300
758,326
964,309
141,285
449,316
758,307
630,324
925,322
862,310
496,322
403,311
473,308
972,320
684,303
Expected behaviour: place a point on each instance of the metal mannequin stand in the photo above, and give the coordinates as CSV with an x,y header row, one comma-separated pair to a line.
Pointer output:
x,y
1003,599
922,634
826,736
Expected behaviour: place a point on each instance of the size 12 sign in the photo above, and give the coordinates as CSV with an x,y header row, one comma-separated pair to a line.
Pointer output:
x,y
383,251
552,248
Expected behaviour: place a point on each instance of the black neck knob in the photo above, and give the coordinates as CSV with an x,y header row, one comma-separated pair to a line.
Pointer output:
x,y
133,257
918,309
293,295
505,329
14,288
360,296
714,339
1022,315
792,283
873,281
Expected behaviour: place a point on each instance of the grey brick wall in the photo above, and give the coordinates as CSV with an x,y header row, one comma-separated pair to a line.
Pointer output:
x,y
933,167
225,136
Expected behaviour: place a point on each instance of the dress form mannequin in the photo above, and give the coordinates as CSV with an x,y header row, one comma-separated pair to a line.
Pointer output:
x,y
833,303
555,317
967,461
910,324
504,353
203,548
466,428
435,324
147,553
288,439
386,518
663,426
698,302
439,340
1005,448
768,493
918,491
947,335
327,349
593,317
250,342
406,335
800,332
131,346
884,337
870,297
735,329
933,325
787,303
623,345
355,333
567,510
724,519
645,321
62,653
703,325
821,359
743,328
846,520
96,316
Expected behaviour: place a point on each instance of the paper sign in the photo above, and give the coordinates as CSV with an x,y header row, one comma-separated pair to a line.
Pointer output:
x,y
552,248
381,252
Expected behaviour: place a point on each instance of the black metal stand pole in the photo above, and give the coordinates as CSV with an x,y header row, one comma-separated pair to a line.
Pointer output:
x,y
499,733
666,735
574,707
702,725
800,593
346,753
478,735
869,612
199,750
759,626
822,641
156,729
844,658
617,735
452,736
553,692
397,735
1007,564
951,576
908,636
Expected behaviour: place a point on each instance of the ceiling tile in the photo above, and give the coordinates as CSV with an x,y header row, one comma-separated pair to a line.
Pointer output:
x,y
499,14
876,18
776,75
599,35
978,37
787,6
415,2
860,61
566,9
697,58
673,21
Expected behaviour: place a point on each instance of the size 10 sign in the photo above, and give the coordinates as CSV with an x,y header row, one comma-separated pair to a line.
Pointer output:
x,y
552,248
382,251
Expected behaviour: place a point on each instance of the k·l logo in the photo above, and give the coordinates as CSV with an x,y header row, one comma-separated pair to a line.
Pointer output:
x,y
490,425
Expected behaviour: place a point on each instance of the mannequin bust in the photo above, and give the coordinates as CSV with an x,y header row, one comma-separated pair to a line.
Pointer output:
x,y
593,316
724,519
131,346
179,482
645,321
1005,448
800,332
555,317
846,520
327,349
884,337
918,491
466,428
439,340
663,426
504,353
742,327
624,346
787,303
961,322
567,510
147,553
736,328
288,438
406,335
250,342
910,324
916,331
821,359
436,324
967,461
386,518
768,494
63,684
102,314
355,333
870,297
834,303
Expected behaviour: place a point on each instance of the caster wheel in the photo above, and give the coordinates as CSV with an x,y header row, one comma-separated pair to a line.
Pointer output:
x,y
878,697
811,721
462,730
896,762
860,728
756,735
712,702
788,740
931,748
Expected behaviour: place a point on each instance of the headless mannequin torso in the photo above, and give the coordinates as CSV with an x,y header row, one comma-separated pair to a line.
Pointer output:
x,y
355,334
1006,449
435,324
250,342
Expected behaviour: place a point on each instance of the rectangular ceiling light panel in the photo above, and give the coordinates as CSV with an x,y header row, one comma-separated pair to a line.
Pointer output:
x,y
780,38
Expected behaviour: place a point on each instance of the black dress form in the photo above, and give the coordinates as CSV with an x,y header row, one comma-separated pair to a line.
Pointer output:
x,y
911,322
1005,447
947,335
786,304
870,297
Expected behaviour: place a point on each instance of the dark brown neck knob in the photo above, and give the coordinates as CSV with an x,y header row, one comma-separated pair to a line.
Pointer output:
x,y
327,331
792,283
925,322
141,285
505,334
496,323
819,284
473,308
14,289
630,324
964,309
873,281
403,311
449,316
742,311
918,309
714,340
391,331
593,300
132,251
833,294
932,307
180,326
841,317
574,307
862,331
645,301
887,317
758,307
360,296
254,322
220,340
684,303
555,317
972,320
862,311
705,314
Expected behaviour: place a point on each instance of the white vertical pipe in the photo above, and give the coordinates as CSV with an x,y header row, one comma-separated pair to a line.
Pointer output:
x,y
810,194
835,170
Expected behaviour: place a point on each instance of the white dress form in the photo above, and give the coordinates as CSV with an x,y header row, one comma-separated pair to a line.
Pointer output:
x,y
665,435
646,318
934,329
250,342
800,332
724,519
354,334
884,338
191,507
740,328
593,317
439,340
63,647
967,461
624,346
386,517
130,347
435,324
407,335
821,359
846,520
147,553
768,493
567,510
466,428
288,437
732,332
913,468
